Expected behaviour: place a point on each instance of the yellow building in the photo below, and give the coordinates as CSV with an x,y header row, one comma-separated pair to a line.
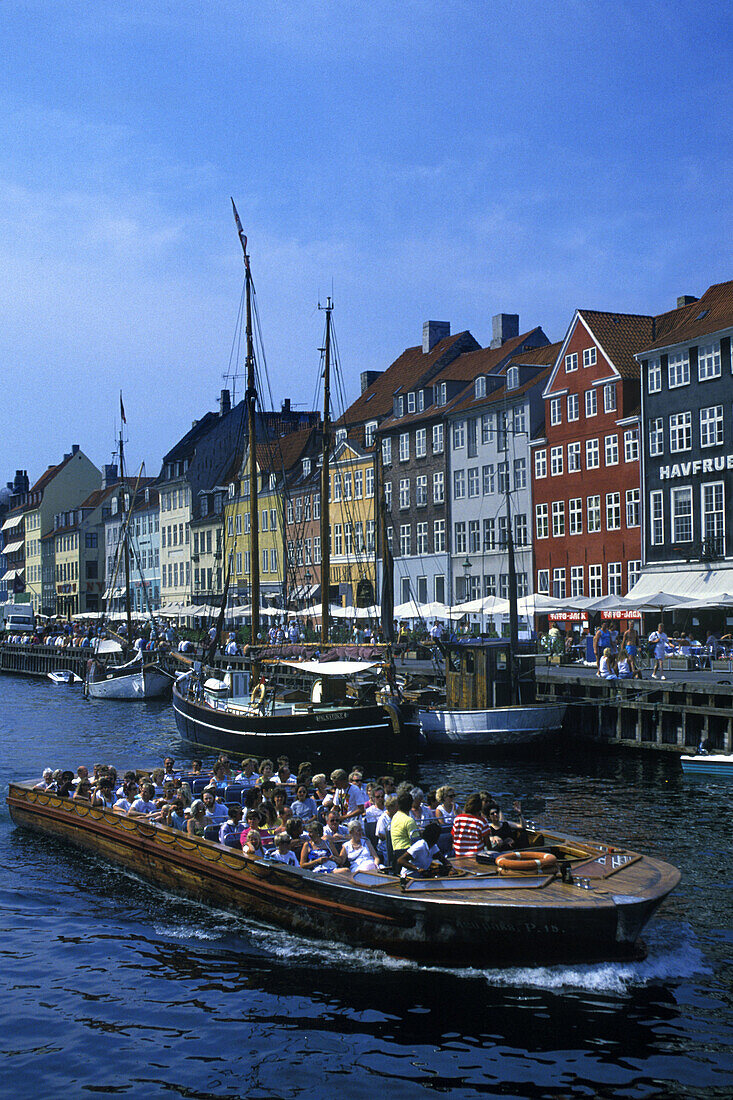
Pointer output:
x,y
207,541
353,520
78,547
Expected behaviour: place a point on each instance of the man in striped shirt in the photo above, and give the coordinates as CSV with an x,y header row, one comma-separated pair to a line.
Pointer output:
x,y
470,830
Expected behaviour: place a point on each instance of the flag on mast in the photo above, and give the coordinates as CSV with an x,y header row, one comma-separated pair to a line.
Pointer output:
x,y
122,410
241,233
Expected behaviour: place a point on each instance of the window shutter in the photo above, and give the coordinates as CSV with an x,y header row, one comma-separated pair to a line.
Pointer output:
x,y
725,363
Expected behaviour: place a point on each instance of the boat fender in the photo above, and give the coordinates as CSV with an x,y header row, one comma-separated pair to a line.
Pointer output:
x,y
527,863
394,716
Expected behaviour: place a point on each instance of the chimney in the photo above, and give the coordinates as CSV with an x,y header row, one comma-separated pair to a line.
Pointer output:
x,y
432,333
686,300
225,403
67,456
367,377
286,406
75,448
109,476
504,326
21,483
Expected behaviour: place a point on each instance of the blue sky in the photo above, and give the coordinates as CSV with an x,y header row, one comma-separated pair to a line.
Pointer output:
x,y
444,160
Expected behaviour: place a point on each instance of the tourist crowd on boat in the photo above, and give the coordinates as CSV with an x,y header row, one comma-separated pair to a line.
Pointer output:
x,y
326,824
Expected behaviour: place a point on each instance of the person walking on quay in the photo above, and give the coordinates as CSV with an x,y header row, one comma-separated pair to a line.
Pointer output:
x,y
659,640
601,641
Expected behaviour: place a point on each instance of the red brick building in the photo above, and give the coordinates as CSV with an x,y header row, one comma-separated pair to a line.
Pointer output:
x,y
586,482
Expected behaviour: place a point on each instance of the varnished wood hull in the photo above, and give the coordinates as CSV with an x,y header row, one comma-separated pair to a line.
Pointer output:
x,y
500,927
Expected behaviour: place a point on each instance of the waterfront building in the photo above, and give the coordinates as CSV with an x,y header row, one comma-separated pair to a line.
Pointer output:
x,y
60,488
489,429
207,540
414,459
688,447
144,533
303,530
586,481
12,533
353,523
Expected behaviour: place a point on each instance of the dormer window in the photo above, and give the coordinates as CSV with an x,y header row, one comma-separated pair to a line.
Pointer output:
x,y
399,406
370,430
411,402
420,400
479,386
273,479
232,489
114,506
204,506
306,467
341,434
441,393
512,378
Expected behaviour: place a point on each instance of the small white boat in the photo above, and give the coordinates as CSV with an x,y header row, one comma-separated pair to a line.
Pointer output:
x,y
134,680
491,728
64,676
708,764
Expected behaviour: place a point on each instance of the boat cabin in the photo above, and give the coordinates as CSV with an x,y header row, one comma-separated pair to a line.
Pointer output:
x,y
479,675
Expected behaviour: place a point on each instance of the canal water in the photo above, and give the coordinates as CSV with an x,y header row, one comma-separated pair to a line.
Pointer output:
x,y
116,988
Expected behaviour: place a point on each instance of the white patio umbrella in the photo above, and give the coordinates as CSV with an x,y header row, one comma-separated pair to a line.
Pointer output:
x,y
372,612
610,603
539,604
657,601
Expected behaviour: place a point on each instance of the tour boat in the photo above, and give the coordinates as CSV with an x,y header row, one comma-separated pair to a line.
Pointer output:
x,y
718,764
570,899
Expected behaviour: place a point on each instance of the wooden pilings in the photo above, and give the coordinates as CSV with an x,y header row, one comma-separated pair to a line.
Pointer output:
x,y
38,660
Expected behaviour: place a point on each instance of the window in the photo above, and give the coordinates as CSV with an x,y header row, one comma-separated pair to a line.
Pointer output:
x,y
711,426
422,589
512,378
441,393
459,434
592,454
316,506
503,537
520,473
489,534
575,516
656,517
613,511
573,406
540,463
591,403
399,408
90,540
387,451
593,514
611,443
338,540
609,397
633,507
558,518
266,561
541,521
680,431
520,529
471,444
421,538
654,376
502,478
404,446
336,491
421,491
358,484
556,463
708,362
421,442
405,539
595,581
656,436
589,357
347,486
504,586
501,431
631,445
317,549
273,559
614,578
439,488
576,580
459,484
487,427
411,403
680,501
370,536
543,581
474,537
556,410
633,572
265,516
405,589
370,430
479,386
230,527
520,420
439,536
368,483
289,512
489,584
571,362
439,588
437,439
713,517
678,369
473,481
558,584
573,457
404,492
388,495
459,544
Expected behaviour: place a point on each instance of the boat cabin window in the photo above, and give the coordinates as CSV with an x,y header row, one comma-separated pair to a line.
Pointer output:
x,y
454,660
469,662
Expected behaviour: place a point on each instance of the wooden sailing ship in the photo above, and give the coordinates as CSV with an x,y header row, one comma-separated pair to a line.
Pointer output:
x,y
592,904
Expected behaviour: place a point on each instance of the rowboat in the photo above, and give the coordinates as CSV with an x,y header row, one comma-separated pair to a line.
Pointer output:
x,y
708,764
592,905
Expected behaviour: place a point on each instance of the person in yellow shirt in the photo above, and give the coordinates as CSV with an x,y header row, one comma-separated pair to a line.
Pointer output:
x,y
404,830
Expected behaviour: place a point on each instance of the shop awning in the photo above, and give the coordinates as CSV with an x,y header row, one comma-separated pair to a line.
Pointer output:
x,y
12,574
13,547
11,523
703,582
332,668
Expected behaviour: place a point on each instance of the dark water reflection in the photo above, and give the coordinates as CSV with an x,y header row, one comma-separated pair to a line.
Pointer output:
x,y
114,987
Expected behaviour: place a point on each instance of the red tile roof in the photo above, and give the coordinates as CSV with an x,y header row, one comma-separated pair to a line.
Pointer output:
x,y
49,475
713,312
467,401
620,335
282,453
403,375
484,360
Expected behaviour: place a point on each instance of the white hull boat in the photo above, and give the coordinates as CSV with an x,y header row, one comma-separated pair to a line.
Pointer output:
x,y
494,727
64,676
131,681
708,764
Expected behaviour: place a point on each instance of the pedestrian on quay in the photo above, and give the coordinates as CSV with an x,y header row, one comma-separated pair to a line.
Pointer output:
x,y
659,640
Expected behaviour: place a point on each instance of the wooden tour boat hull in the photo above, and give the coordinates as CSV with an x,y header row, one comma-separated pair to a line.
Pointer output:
x,y
376,732
496,921
147,683
494,727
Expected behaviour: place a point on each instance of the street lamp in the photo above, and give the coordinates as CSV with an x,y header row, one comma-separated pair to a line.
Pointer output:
x,y
466,577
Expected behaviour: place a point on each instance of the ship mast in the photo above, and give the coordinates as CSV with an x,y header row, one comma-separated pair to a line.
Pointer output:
x,y
251,400
326,480
126,532
513,610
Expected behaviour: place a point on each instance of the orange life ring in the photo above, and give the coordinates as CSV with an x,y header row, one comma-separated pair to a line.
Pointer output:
x,y
527,863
